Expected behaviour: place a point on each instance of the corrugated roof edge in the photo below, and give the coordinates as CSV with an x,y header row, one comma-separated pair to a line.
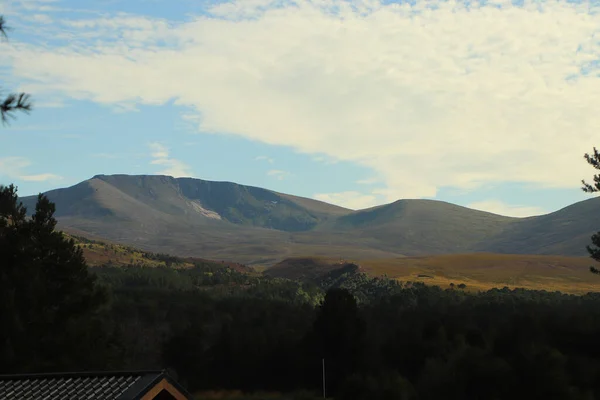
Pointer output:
x,y
82,374
141,388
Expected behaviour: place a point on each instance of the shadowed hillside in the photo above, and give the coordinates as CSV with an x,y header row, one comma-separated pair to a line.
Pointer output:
x,y
414,227
566,232
305,268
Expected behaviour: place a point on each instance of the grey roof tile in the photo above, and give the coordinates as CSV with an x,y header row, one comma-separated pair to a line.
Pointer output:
x,y
77,386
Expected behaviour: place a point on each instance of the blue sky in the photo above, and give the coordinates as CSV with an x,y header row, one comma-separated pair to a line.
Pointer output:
x,y
359,103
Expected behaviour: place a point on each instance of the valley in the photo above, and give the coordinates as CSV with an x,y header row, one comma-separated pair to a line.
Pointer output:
x,y
476,271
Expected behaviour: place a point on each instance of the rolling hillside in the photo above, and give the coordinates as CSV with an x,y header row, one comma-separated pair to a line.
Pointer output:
x,y
476,271
419,227
479,271
102,253
228,221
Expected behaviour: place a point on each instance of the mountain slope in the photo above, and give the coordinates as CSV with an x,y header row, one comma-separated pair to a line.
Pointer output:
x,y
238,204
192,217
565,232
419,227
227,221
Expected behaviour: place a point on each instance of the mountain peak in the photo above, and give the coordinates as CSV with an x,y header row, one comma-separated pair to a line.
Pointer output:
x,y
225,220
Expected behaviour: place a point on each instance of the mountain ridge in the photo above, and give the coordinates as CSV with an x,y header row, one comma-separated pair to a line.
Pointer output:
x,y
226,220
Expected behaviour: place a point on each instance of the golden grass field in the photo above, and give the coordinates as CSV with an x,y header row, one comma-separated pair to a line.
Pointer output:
x,y
102,253
484,271
478,271
99,253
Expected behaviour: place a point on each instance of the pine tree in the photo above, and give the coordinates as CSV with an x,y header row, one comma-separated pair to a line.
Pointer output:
x,y
594,161
13,101
338,336
50,303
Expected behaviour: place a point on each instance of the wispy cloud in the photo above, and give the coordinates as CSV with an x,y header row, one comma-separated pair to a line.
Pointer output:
x,y
264,158
368,181
278,174
39,18
349,199
171,167
427,95
40,177
50,103
509,210
14,168
328,160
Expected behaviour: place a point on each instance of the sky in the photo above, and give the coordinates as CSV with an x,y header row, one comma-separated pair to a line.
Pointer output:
x,y
489,105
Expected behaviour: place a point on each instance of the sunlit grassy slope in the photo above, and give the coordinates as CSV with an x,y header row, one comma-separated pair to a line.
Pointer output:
x,y
478,271
99,253
482,271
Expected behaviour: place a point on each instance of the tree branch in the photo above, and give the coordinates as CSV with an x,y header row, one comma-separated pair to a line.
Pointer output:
x,y
594,161
12,103
3,27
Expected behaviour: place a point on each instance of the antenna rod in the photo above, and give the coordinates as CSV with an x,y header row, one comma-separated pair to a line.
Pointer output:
x,y
324,378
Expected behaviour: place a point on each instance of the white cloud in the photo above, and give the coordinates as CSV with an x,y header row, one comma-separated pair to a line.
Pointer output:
x,y
172,167
350,199
40,177
278,174
501,208
428,95
56,103
41,18
18,6
13,168
264,158
159,150
368,181
192,117
327,160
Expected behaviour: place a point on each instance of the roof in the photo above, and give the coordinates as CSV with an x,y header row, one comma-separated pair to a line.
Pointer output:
x,y
119,385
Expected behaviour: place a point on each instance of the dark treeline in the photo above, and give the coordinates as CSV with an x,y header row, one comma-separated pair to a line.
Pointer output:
x,y
403,341
218,328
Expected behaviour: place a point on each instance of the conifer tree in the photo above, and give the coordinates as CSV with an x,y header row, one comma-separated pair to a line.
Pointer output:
x,y
594,161
50,303
12,102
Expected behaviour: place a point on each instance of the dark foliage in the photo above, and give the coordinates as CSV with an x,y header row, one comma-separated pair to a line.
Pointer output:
x,y
49,302
3,27
594,249
13,101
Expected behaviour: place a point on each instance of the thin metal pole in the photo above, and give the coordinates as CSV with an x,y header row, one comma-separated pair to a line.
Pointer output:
x,y
324,379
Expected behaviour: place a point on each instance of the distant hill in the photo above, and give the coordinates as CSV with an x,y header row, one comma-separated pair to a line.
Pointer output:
x,y
163,198
420,227
232,222
564,232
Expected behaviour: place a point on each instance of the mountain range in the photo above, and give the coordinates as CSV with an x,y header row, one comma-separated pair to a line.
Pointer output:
x,y
256,226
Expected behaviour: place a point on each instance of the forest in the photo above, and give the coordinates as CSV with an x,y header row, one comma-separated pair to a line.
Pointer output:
x,y
216,328
379,339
